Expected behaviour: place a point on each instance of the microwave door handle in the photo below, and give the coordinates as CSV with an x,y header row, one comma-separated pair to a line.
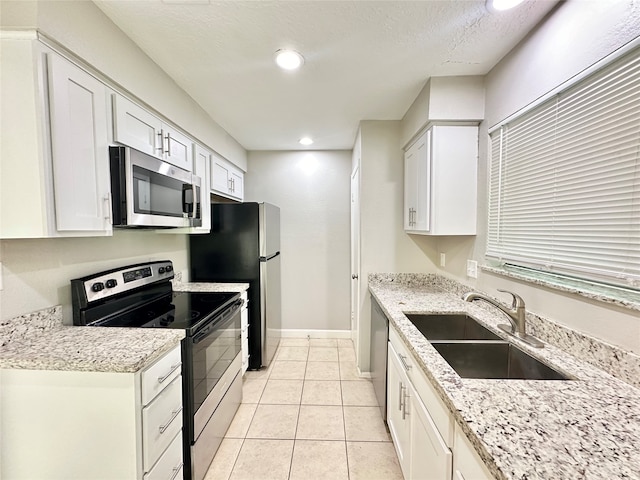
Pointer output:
x,y
196,200
185,199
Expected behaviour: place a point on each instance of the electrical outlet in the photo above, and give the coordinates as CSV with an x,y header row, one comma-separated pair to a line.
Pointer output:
x,y
443,259
472,269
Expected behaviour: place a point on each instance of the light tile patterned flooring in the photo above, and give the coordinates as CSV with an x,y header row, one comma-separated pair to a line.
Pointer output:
x,y
308,416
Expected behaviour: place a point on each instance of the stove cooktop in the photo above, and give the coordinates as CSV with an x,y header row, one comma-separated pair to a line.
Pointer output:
x,y
179,310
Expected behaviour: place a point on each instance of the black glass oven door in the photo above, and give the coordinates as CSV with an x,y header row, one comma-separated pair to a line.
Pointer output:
x,y
212,350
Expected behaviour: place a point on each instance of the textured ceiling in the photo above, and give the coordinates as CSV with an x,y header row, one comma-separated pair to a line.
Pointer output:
x,y
364,60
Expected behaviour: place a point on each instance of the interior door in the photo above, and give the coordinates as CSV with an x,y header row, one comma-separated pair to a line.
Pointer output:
x,y
355,254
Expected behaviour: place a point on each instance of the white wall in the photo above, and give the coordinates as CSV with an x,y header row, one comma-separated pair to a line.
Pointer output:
x,y
384,246
312,190
573,37
36,272
81,27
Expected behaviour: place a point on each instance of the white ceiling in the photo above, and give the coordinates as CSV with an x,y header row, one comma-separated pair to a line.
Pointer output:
x,y
364,60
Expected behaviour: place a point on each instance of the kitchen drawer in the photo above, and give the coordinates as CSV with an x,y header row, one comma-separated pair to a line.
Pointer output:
x,y
437,409
161,422
169,465
160,374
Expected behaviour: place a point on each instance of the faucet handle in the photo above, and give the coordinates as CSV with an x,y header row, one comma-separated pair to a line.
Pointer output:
x,y
517,300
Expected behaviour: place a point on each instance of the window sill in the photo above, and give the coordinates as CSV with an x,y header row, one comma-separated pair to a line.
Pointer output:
x,y
602,293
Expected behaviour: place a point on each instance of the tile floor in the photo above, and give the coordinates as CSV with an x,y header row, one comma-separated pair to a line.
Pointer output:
x,y
308,416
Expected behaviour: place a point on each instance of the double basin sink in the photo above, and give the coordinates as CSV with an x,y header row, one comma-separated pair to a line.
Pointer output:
x,y
474,351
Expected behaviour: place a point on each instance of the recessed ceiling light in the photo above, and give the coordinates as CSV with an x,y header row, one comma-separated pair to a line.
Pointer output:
x,y
305,141
289,59
500,5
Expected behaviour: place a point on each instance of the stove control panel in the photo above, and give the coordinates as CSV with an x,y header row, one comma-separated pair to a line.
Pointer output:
x,y
103,285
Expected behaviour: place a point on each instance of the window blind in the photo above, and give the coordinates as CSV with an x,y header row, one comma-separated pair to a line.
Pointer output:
x,y
564,180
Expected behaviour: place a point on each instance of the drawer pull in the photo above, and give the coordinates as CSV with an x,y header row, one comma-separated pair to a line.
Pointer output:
x,y
406,366
173,369
400,395
175,471
174,414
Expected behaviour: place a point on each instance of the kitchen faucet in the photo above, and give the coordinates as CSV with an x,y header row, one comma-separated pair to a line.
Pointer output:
x,y
515,314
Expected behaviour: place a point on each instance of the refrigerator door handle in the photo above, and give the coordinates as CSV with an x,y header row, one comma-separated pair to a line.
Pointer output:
x,y
265,259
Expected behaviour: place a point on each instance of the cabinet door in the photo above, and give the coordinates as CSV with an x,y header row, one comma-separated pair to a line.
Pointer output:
x,y
220,176
422,216
410,186
78,105
417,181
467,464
237,184
202,164
397,411
136,127
178,148
430,458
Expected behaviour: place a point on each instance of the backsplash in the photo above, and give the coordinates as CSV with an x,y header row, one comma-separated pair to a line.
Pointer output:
x,y
613,360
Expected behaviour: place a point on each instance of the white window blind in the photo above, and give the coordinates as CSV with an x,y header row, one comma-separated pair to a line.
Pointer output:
x,y
564,193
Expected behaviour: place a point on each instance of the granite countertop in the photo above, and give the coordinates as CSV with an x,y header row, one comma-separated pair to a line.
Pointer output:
x,y
178,286
39,341
588,428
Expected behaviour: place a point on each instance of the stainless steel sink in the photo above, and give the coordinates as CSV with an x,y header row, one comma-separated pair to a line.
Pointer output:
x,y
450,327
494,359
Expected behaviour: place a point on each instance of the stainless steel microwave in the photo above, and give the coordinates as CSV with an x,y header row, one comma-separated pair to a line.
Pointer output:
x,y
147,192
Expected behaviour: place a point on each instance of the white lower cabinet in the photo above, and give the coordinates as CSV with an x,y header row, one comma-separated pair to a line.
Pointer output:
x,y
93,425
429,445
467,465
422,452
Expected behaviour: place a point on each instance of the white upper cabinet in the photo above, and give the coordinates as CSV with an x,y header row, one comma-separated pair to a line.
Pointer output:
x,y
79,147
441,181
226,179
138,128
54,155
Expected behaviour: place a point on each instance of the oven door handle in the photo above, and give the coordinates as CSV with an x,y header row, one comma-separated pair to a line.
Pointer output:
x,y
230,312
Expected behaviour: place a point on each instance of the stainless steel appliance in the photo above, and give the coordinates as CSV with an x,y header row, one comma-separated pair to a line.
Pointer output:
x,y
147,192
378,355
141,296
244,246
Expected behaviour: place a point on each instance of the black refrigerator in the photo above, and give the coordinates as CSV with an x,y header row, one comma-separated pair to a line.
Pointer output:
x,y
244,246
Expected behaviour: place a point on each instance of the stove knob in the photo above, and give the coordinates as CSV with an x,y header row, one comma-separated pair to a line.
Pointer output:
x,y
97,287
111,283
161,270
169,268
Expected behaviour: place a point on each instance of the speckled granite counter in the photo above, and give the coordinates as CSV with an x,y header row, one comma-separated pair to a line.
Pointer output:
x,y
178,286
39,341
522,429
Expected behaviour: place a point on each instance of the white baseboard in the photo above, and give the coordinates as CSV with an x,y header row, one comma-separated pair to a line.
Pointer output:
x,y
299,333
363,374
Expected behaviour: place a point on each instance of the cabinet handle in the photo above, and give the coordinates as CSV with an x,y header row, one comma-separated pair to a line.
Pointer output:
x,y
108,208
400,395
161,141
406,366
173,369
174,414
168,150
404,406
176,470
